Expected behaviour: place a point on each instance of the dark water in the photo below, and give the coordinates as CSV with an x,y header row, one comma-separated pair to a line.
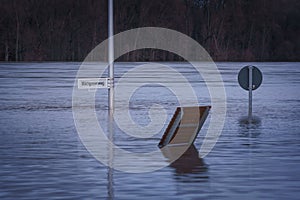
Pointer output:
x,y
42,157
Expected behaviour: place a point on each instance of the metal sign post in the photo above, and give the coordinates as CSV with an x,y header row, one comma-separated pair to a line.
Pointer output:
x,y
111,95
111,55
250,78
250,95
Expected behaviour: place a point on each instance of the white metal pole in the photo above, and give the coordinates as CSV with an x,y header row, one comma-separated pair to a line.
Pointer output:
x,y
111,95
250,94
111,54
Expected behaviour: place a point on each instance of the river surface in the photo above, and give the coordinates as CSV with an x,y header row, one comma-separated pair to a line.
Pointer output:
x,y
42,156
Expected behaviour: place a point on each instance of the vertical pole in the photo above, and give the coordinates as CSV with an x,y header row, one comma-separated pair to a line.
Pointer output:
x,y
111,96
111,54
250,94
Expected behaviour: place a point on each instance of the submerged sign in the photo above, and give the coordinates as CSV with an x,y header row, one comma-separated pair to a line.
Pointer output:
x,y
250,78
93,83
244,76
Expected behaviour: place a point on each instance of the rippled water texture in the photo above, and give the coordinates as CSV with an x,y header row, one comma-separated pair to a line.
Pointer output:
x,y
42,157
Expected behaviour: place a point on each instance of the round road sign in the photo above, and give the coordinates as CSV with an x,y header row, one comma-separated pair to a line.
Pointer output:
x,y
243,77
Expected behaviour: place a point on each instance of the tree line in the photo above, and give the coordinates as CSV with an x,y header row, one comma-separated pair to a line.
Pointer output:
x,y
230,30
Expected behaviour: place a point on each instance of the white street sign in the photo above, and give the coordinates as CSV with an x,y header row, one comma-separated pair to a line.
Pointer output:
x,y
93,83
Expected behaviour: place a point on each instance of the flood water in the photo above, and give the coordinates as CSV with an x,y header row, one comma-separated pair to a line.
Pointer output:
x,y
42,157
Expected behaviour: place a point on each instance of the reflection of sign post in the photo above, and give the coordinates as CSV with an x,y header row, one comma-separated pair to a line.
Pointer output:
x,y
93,83
250,78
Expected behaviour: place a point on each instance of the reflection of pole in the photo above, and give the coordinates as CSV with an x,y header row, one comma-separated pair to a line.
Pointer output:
x,y
111,54
110,186
250,94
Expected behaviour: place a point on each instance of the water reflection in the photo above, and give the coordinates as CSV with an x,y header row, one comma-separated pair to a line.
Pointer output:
x,y
110,178
190,170
249,129
189,162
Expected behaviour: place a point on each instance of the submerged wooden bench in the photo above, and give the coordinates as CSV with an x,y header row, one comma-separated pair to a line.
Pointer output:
x,y
184,126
